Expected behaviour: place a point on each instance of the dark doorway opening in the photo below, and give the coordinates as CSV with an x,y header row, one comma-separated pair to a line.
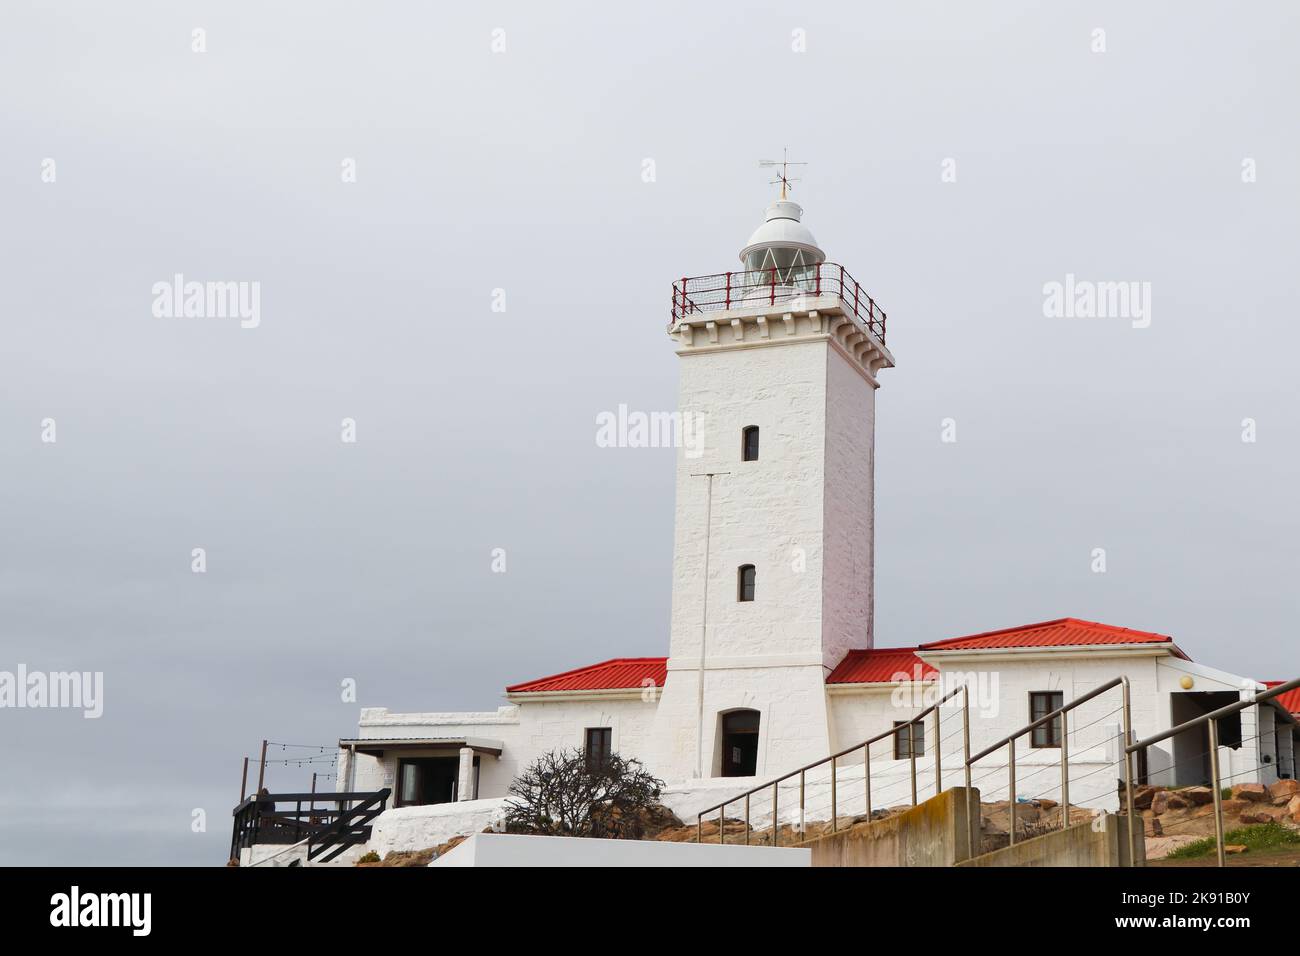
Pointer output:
x,y
425,780
740,743
1190,750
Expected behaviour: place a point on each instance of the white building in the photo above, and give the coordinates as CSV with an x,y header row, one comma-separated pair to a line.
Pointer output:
x,y
771,662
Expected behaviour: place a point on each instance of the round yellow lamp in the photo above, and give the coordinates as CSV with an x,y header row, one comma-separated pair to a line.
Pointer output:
x,y
1186,683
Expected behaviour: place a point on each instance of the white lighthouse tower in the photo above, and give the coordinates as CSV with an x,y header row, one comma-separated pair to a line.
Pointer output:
x,y
773,546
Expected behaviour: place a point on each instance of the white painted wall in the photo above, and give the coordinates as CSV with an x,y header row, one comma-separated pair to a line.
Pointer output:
x,y
502,849
804,504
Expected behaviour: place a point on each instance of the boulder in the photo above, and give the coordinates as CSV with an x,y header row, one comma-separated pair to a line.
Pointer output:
x,y
1153,827
1235,848
1177,801
1254,792
1293,809
1143,795
1284,788
1198,795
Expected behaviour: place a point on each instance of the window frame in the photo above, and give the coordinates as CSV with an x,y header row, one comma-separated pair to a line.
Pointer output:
x,y
745,434
601,756
917,734
1046,736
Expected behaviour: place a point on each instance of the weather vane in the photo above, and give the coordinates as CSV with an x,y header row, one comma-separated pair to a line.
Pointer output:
x,y
785,164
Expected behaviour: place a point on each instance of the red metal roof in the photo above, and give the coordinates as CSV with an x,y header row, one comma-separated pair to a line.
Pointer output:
x,y
880,665
1290,700
617,674
1063,632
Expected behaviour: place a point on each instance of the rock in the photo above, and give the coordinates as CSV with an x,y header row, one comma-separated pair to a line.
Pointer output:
x,y
1177,801
1045,804
1254,792
1284,788
1160,803
1235,848
1198,795
1293,809
1262,814
1229,807
1153,827
1143,796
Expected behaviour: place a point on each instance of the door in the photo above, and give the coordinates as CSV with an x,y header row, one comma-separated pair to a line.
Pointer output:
x,y
740,743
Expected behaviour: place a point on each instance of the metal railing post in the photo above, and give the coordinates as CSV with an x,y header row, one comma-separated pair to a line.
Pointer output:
x,y
699,828
834,804
728,290
1065,771
938,752
1011,789
866,776
911,754
746,819
1128,771
977,821
776,833
803,826
1220,852
722,824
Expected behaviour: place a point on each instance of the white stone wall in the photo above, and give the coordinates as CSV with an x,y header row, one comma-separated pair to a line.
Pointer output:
x,y
848,510
801,514
418,828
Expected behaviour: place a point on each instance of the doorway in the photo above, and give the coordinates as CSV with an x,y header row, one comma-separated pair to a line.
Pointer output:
x,y
739,743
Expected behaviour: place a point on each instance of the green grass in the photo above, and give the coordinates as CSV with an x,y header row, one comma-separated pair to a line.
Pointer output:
x,y
1259,836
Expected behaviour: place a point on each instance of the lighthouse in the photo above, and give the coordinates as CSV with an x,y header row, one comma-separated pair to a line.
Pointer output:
x,y
774,519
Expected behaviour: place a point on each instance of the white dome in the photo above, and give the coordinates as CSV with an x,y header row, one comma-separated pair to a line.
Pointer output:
x,y
783,230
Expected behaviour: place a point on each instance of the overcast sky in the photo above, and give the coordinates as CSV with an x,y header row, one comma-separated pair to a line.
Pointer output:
x,y
522,170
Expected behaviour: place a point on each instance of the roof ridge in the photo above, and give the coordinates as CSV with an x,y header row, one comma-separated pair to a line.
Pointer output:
x,y
584,670
1040,625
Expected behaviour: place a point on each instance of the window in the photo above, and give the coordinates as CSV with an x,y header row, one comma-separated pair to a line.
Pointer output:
x,y
745,583
749,443
740,743
904,740
1042,703
425,780
597,747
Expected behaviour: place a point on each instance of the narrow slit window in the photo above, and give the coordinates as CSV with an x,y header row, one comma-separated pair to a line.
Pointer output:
x,y
749,443
745,583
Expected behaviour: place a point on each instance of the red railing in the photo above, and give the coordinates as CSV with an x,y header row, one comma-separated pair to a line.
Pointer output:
x,y
733,290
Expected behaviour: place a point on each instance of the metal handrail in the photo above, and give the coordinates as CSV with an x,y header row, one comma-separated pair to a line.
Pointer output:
x,y
833,759
1062,712
693,295
1211,720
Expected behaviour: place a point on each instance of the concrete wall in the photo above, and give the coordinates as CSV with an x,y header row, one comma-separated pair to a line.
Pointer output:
x,y
935,833
1101,842
509,849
